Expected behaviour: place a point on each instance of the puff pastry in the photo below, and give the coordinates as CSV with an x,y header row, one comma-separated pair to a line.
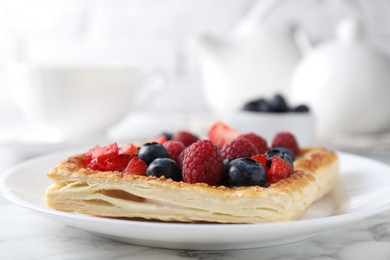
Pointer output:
x,y
114,194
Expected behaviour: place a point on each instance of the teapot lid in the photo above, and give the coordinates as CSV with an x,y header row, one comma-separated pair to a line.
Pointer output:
x,y
350,30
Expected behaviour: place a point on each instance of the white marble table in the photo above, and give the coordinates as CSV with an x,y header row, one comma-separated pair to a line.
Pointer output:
x,y
28,235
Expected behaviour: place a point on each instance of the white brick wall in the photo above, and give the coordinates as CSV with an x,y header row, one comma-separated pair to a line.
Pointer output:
x,y
153,33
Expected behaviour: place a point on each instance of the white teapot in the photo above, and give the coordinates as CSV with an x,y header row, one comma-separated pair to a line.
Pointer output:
x,y
346,83
252,62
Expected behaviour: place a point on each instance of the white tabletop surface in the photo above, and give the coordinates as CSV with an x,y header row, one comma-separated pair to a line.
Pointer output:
x,y
28,235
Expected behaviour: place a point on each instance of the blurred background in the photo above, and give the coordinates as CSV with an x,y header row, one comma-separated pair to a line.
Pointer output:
x,y
160,38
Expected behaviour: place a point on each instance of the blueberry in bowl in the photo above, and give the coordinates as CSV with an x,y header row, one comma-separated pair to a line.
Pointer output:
x,y
277,104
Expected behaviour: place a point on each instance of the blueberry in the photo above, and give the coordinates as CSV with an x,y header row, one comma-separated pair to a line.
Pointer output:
x,y
288,159
246,172
226,163
301,108
270,154
150,151
164,167
263,105
278,104
287,150
279,153
251,106
167,135
258,105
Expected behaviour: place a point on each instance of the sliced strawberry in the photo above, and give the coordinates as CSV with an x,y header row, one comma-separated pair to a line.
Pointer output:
x,y
280,169
262,158
160,139
97,151
136,166
98,155
118,163
94,164
129,149
93,152
220,134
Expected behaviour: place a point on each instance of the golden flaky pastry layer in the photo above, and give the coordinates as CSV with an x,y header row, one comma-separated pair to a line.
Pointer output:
x,y
114,194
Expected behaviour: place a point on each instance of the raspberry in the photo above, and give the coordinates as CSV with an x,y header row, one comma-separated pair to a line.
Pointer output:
x,y
136,166
286,139
259,142
202,162
175,148
180,158
280,169
221,134
239,147
185,137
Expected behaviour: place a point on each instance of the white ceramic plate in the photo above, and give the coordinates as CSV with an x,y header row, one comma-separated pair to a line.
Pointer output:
x,y
361,191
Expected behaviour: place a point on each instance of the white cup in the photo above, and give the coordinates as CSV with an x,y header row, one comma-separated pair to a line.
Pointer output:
x,y
75,101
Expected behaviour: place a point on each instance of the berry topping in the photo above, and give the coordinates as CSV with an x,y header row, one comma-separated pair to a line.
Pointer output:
x,y
238,147
221,134
278,104
167,135
94,164
129,149
102,153
246,172
185,137
258,105
117,163
136,166
286,139
286,150
259,142
111,158
228,158
262,158
202,162
280,169
175,148
160,139
164,167
301,109
150,151
251,106
278,153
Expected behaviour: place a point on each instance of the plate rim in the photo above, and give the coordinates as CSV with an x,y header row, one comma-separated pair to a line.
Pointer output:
x,y
340,218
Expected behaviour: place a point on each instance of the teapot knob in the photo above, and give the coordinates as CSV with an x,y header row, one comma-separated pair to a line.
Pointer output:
x,y
350,30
